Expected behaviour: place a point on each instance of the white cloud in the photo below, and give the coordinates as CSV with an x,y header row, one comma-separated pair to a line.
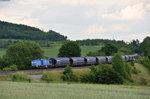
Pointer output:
x,y
139,36
21,20
95,3
134,12
93,30
81,19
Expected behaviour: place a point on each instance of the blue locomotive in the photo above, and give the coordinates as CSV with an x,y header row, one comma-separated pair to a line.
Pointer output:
x,y
77,61
41,63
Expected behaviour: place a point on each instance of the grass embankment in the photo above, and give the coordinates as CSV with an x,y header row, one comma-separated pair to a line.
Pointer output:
x,y
143,77
15,90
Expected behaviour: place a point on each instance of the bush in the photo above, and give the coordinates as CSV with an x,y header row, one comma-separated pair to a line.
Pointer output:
x,y
52,76
7,69
103,74
106,75
11,68
132,63
89,77
20,77
68,74
80,72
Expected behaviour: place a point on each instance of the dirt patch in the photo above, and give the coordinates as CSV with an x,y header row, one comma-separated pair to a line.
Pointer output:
x,y
36,77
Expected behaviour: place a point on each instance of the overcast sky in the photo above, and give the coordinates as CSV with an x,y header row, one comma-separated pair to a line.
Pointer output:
x,y
82,19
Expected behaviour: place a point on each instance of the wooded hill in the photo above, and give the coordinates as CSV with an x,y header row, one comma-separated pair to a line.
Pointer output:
x,y
19,31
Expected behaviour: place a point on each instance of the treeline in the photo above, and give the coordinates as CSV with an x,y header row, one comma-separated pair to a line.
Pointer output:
x,y
99,41
19,31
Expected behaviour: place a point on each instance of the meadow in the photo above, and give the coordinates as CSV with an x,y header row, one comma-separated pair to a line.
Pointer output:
x,y
16,90
2,51
54,49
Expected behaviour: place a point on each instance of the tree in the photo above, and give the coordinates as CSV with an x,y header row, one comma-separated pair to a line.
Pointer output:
x,y
144,44
22,53
109,49
68,74
136,45
119,66
147,51
70,49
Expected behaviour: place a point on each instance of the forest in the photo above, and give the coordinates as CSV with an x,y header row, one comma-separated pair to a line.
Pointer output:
x,y
19,31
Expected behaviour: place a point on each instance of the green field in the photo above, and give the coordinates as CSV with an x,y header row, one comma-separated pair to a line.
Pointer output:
x,y
2,52
53,51
15,90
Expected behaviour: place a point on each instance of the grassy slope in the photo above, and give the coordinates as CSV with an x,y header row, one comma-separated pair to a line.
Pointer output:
x,y
14,90
143,74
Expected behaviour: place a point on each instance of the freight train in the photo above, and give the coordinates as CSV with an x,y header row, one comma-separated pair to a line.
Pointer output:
x,y
77,61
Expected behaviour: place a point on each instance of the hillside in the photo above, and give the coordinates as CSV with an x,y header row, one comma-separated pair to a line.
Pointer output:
x,y
19,31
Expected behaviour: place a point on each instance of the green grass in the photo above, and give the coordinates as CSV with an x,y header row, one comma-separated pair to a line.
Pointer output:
x,y
15,90
53,51
87,49
2,52
143,74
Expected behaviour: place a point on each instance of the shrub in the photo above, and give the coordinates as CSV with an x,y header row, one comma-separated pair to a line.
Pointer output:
x,y
132,63
106,75
80,72
103,74
68,74
90,76
20,77
52,76
7,69
11,68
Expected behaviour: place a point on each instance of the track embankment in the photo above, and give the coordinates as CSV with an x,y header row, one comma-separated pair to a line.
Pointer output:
x,y
40,71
